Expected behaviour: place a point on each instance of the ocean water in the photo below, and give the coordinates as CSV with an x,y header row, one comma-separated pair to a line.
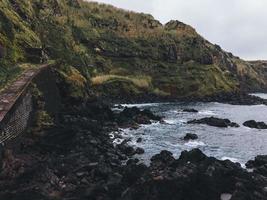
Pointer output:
x,y
236,144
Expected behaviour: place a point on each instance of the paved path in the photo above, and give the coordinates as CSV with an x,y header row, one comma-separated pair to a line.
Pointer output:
x,y
9,95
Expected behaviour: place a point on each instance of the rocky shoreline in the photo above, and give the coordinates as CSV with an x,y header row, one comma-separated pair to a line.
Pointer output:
x,y
76,159
234,98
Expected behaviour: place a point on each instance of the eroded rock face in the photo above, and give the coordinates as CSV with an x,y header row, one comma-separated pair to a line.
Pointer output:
x,y
196,176
254,124
213,121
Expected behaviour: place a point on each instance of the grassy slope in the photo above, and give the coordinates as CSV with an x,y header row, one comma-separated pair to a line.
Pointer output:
x,y
122,50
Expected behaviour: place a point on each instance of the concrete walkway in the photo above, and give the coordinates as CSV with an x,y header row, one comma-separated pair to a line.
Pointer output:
x,y
9,95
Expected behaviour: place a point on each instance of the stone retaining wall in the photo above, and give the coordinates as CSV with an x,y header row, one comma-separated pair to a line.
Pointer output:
x,y
16,117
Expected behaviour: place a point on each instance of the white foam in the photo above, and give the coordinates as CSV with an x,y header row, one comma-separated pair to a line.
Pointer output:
x,y
118,141
111,136
235,160
174,121
141,105
207,112
195,144
230,158
171,121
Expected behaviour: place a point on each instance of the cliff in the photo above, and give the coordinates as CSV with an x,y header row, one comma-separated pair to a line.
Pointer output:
x,y
118,53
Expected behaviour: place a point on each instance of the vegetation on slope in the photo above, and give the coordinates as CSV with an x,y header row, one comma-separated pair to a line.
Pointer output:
x,y
120,50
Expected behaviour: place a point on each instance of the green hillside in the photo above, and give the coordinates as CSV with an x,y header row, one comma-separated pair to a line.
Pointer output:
x,y
117,52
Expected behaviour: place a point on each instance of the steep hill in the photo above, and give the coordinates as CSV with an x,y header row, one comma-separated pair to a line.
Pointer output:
x,y
118,53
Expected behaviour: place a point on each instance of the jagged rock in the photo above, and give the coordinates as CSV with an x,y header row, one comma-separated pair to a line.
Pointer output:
x,y
259,161
195,176
213,121
254,124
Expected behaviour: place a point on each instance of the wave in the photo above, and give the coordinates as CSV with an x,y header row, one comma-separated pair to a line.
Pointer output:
x,y
207,112
230,158
140,105
174,121
118,141
195,144
234,160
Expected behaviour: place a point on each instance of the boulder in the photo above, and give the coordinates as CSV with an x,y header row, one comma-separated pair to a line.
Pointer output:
x,y
131,116
257,162
190,136
139,140
126,149
213,121
254,124
139,151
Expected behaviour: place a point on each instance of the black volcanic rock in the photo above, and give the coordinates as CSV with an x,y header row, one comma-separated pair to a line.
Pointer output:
x,y
139,140
195,176
254,124
139,151
257,162
213,121
190,110
190,136
131,116
71,161
259,165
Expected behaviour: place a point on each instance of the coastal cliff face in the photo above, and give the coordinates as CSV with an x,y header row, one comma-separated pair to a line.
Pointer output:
x,y
117,53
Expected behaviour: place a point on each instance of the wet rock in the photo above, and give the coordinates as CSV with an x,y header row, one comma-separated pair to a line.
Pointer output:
x,y
139,151
161,160
191,110
126,149
139,140
142,119
151,115
131,116
257,162
213,121
254,124
190,136
195,176
132,161
133,172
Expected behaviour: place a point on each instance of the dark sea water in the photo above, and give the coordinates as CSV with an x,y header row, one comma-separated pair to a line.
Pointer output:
x,y
236,144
